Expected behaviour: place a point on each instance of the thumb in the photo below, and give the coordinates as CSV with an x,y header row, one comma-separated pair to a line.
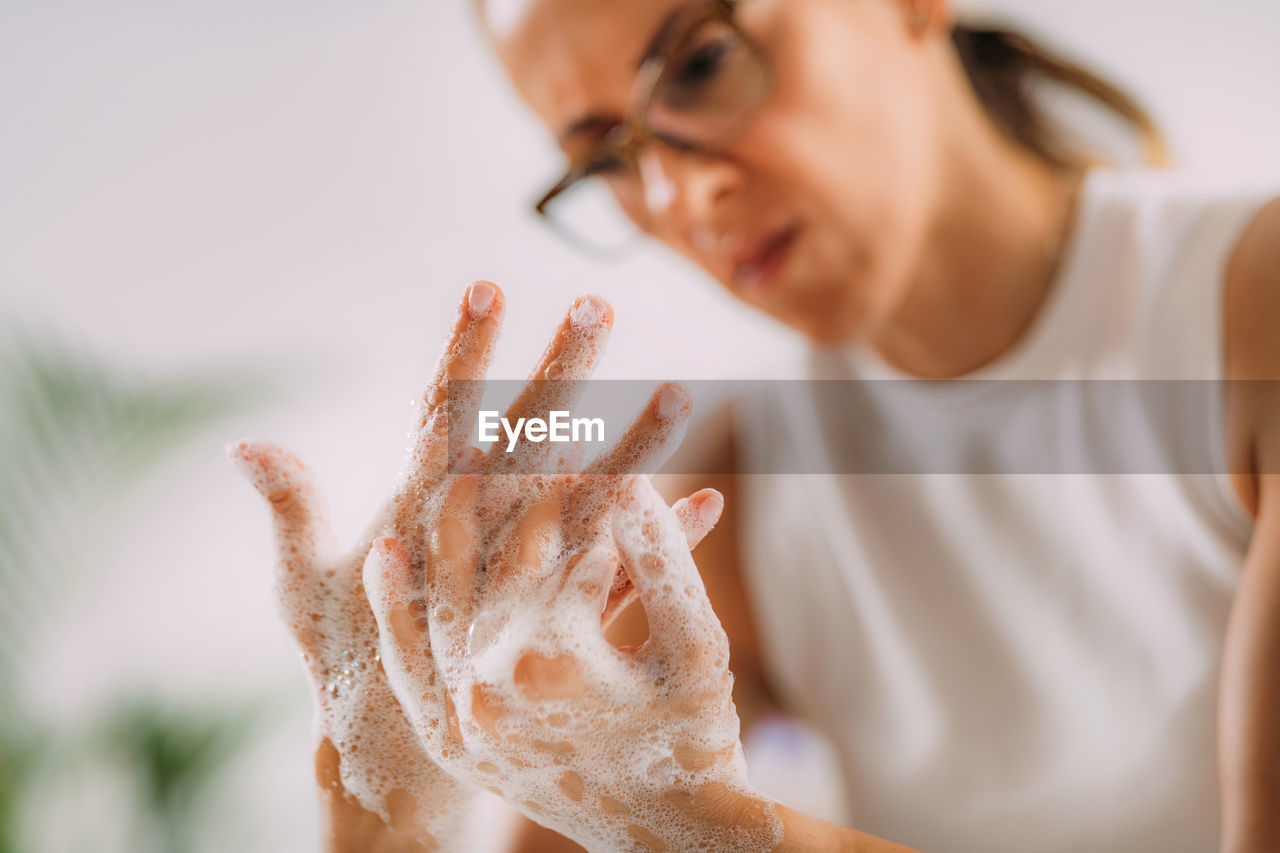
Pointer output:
x,y
303,534
655,550
398,608
698,515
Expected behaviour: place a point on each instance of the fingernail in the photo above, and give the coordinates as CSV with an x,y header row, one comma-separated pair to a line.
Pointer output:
x,y
262,478
439,423
672,402
588,311
239,459
480,299
710,506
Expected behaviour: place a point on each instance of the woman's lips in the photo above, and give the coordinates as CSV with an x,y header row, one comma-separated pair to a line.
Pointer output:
x,y
758,263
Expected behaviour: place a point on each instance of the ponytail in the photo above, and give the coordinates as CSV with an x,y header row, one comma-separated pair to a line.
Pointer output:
x,y
1002,65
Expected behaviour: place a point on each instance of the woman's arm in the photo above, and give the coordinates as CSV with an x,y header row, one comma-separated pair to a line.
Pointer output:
x,y
1249,727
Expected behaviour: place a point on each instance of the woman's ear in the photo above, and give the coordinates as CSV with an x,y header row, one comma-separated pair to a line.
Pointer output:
x,y
923,18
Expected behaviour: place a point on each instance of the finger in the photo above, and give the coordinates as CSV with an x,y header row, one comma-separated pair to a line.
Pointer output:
x,y
524,557
646,444
655,552
395,596
568,461
470,460
452,398
698,515
590,577
303,535
557,383
452,563
622,594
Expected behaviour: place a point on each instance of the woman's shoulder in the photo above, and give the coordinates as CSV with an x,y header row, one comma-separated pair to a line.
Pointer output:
x,y
1152,256
1171,183
1251,348
1172,206
1253,295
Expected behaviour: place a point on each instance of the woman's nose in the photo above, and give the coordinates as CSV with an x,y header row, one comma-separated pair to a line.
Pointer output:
x,y
685,186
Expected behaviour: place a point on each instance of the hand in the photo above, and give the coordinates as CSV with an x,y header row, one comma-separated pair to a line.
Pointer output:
x,y
614,748
376,776
369,762
379,781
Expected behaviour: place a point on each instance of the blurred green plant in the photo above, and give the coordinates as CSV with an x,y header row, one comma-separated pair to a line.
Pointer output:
x,y
176,755
74,436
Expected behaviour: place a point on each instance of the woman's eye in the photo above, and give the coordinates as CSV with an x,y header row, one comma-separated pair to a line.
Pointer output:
x,y
700,75
605,165
700,67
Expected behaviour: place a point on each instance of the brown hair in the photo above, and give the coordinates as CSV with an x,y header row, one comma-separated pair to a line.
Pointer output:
x,y
1003,65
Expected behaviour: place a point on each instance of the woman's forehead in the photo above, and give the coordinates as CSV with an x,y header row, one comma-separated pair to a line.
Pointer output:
x,y
570,59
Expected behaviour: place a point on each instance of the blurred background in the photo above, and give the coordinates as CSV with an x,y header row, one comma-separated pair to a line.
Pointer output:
x,y
231,218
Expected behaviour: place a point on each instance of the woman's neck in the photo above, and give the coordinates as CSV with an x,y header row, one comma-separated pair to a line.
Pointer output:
x,y
989,260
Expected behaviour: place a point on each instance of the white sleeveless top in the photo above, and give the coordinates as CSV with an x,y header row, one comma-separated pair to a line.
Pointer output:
x,y
1023,662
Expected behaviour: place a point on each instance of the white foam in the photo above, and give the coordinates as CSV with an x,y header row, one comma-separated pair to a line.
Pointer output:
x,y
383,763
587,312
505,16
629,762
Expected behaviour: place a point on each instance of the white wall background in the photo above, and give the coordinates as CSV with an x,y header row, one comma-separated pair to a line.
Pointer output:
x,y
186,183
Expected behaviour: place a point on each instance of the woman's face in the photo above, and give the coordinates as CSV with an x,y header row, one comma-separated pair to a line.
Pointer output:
x,y
815,211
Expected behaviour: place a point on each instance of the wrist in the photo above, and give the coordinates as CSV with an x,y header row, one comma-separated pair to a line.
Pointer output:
x,y
805,834
713,816
440,813
717,805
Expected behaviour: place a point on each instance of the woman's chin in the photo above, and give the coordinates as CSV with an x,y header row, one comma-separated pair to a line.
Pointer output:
x,y
826,317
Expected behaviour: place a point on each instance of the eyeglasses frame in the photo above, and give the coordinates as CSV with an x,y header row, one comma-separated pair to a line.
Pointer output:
x,y
627,138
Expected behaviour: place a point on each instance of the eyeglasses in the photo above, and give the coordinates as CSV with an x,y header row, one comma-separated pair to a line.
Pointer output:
x,y
700,87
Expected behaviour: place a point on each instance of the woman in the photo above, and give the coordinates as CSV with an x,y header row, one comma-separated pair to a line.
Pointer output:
x,y
1003,663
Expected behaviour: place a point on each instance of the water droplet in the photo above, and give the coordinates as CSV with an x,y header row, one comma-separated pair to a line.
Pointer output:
x,y
440,421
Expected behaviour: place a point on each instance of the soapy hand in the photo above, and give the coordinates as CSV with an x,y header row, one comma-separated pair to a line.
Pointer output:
x,y
384,791
381,790
493,643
